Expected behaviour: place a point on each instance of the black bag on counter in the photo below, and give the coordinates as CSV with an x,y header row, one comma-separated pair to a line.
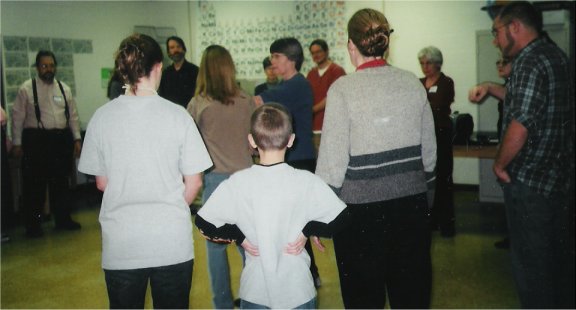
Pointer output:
x,y
462,128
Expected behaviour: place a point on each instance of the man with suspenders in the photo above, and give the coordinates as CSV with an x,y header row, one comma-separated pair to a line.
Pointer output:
x,y
46,135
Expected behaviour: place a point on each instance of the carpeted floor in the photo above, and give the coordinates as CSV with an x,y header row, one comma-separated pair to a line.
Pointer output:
x,y
62,269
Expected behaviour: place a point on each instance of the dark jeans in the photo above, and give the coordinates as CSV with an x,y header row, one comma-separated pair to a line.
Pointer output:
x,y
386,251
218,264
170,286
541,241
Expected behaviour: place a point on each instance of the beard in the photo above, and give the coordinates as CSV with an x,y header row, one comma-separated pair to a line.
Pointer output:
x,y
177,57
507,49
47,77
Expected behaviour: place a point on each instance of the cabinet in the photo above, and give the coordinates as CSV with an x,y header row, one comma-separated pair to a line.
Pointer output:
x,y
489,189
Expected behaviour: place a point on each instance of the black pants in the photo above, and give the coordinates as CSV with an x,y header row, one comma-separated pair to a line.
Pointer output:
x,y
309,165
47,163
386,251
170,286
6,197
443,208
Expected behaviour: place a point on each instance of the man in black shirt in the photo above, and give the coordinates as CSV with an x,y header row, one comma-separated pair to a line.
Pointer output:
x,y
178,82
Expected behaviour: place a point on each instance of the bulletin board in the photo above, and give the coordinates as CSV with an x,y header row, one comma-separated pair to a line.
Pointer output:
x,y
248,36
20,52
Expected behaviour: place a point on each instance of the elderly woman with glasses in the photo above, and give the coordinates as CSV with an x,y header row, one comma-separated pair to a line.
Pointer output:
x,y
440,92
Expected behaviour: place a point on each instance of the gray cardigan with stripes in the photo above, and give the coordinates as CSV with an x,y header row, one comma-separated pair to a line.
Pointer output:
x,y
378,140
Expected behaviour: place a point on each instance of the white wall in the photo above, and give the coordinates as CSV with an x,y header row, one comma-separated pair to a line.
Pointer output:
x,y
449,25
106,23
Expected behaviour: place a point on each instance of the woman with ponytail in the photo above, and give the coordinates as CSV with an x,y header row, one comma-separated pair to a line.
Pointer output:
x,y
378,152
147,156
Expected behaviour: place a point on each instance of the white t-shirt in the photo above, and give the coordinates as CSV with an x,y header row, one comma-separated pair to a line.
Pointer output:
x,y
271,205
144,146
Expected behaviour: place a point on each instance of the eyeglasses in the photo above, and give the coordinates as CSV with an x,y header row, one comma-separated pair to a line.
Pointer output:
x,y
495,29
46,66
502,62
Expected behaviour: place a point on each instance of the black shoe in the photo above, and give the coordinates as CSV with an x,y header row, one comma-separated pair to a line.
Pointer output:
x,y
46,217
237,302
502,244
35,232
5,238
68,225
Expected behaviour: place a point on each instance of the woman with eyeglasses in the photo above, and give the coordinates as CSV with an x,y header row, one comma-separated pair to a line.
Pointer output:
x,y
504,67
478,93
440,92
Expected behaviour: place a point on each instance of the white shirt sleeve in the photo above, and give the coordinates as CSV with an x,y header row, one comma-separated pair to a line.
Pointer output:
x,y
194,155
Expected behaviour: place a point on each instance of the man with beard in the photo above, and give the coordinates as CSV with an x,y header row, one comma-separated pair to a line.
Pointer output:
x,y
46,135
535,160
178,82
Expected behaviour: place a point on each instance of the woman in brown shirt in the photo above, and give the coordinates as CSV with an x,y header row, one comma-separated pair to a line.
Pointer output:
x,y
440,91
222,111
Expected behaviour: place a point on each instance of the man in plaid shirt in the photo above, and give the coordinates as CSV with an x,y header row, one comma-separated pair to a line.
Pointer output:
x,y
535,160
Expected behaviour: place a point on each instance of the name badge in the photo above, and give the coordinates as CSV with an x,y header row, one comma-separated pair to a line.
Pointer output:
x,y
433,89
57,98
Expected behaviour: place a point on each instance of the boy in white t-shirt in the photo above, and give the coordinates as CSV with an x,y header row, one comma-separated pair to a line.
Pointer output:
x,y
271,204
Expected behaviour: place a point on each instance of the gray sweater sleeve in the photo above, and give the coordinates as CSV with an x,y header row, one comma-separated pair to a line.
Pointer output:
x,y
334,149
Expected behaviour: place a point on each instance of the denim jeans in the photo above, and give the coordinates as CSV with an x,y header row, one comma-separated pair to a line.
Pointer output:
x,y
170,286
218,266
248,305
539,246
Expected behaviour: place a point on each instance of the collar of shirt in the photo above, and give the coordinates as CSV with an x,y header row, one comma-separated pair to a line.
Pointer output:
x,y
372,64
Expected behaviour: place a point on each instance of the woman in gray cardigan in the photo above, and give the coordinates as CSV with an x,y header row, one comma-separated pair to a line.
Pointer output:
x,y
378,152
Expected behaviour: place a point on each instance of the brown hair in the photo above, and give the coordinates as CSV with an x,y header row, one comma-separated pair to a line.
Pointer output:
x,y
524,11
291,48
44,53
370,32
217,75
271,126
135,58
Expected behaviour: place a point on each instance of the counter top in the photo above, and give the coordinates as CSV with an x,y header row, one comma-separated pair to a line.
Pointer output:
x,y
475,151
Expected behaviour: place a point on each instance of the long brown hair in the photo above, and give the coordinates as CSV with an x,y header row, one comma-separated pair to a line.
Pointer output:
x,y
217,75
